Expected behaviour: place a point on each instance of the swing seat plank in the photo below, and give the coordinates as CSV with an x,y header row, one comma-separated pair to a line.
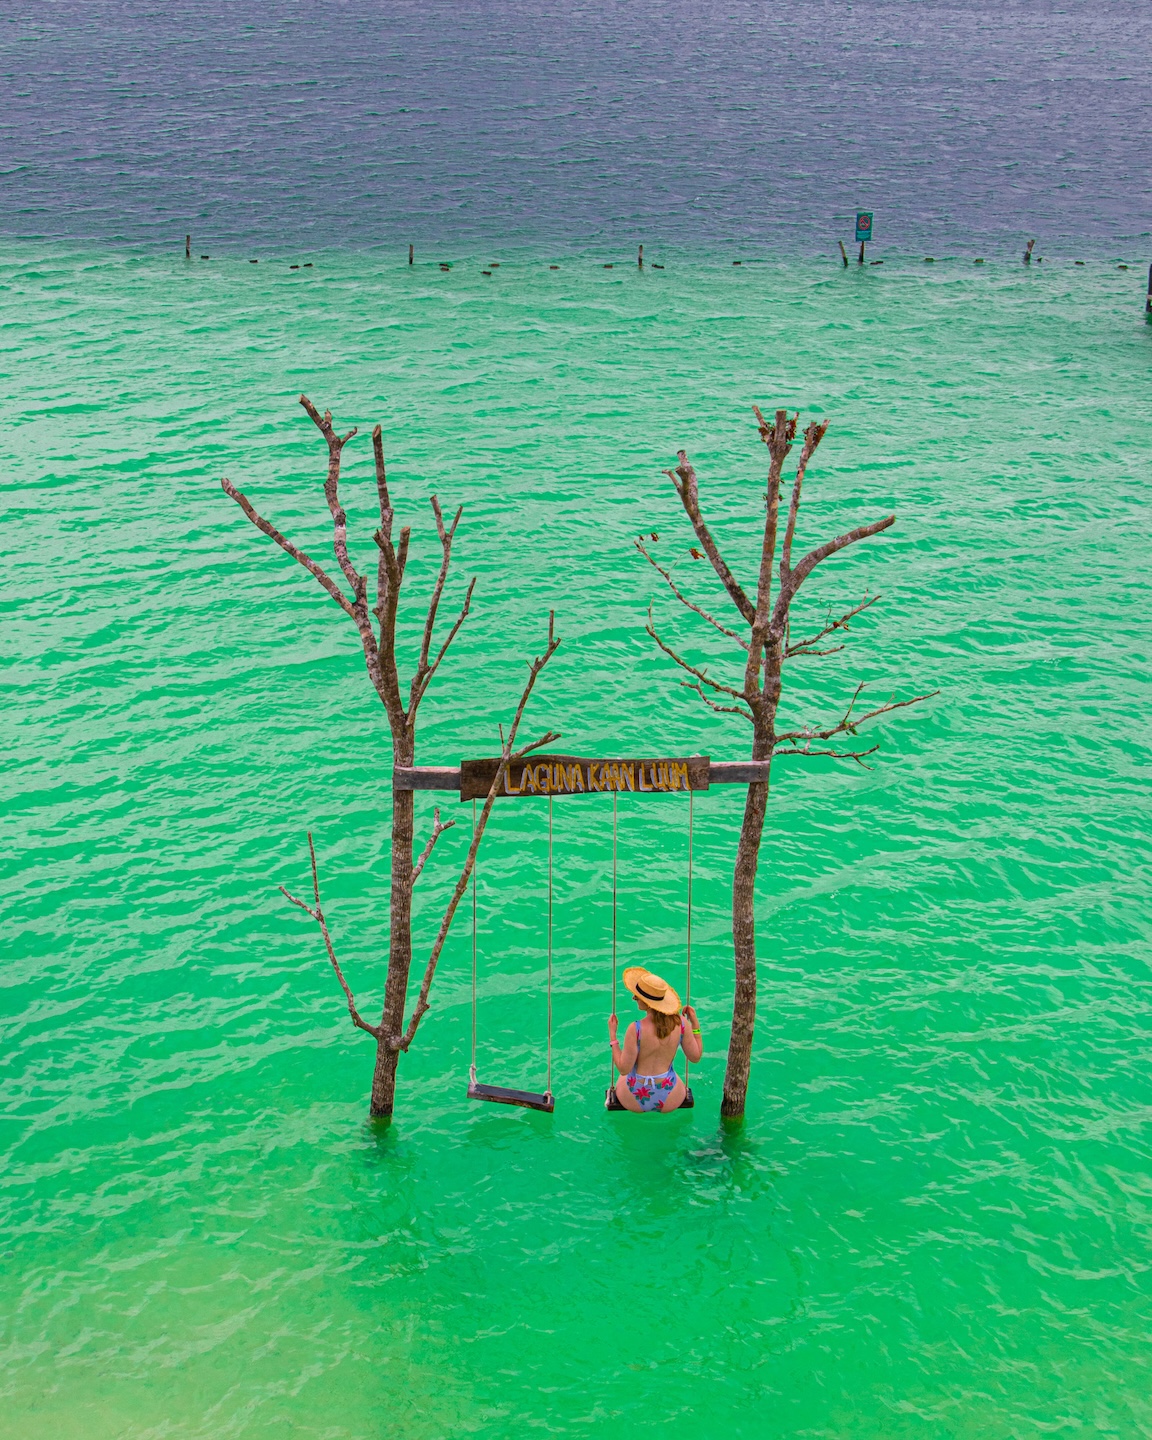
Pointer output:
x,y
612,1101
501,1095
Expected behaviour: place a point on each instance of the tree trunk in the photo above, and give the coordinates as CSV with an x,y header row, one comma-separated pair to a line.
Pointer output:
x,y
399,945
744,945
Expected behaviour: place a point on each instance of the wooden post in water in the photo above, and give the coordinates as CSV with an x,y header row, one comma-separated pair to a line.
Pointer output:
x,y
640,258
863,230
411,253
1148,302
187,247
1028,252
843,253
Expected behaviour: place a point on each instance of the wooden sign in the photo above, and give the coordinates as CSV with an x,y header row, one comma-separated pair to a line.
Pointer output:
x,y
576,775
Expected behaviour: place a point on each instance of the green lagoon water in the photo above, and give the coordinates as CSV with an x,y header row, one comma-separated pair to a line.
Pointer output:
x,y
936,1219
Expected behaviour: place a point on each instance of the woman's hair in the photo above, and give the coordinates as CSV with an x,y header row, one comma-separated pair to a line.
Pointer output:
x,y
664,1024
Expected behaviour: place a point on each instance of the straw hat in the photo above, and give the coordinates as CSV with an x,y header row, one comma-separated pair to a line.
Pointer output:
x,y
657,994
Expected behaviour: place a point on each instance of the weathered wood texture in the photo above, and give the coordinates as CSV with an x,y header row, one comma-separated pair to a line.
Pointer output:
x,y
447,777
578,775
501,1095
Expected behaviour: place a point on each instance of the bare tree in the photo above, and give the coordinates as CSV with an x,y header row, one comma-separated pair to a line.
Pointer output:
x,y
376,626
767,644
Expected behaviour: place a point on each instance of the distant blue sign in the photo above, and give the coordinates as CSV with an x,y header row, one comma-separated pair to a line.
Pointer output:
x,y
863,225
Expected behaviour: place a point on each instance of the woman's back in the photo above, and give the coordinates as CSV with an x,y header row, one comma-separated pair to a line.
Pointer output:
x,y
655,1054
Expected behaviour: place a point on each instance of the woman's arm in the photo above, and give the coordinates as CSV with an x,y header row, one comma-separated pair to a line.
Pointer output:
x,y
690,1037
623,1056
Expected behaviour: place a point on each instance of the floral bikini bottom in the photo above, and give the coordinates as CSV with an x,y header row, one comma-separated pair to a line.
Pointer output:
x,y
649,1091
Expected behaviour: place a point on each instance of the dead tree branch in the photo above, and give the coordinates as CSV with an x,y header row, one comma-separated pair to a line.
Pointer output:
x,y
803,647
856,755
287,546
438,828
317,914
688,488
700,675
720,709
691,605
812,437
797,576
846,725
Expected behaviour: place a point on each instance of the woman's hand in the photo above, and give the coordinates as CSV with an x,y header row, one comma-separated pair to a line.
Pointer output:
x,y
613,1024
692,1018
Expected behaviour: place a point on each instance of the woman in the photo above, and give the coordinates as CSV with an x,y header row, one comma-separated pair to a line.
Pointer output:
x,y
648,1079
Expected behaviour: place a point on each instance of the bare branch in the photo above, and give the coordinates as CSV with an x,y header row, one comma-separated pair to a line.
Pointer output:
x,y
425,671
384,534
801,647
846,724
438,828
287,546
857,755
390,578
692,670
507,754
688,489
797,576
438,589
464,609
720,709
812,437
778,437
336,445
732,635
318,915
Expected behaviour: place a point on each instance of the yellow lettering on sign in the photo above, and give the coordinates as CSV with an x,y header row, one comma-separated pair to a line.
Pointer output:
x,y
644,786
678,773
527,781
594,781
508,789
574,777
628,775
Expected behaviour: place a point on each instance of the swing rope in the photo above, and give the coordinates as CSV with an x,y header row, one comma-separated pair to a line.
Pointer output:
x,y
611,1064
474,947
548,1086
688,986
491,1092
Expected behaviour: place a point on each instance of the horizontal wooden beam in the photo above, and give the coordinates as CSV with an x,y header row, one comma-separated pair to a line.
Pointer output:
x,y
425,777
446,777
737,772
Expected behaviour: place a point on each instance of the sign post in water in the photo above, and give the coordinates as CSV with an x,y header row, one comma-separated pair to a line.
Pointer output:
x,y
863,229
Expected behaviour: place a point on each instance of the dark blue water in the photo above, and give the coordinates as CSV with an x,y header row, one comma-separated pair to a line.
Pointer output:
x,y
967,127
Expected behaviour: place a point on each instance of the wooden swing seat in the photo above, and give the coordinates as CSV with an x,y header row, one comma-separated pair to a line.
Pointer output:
x,y
501,1095
612,1100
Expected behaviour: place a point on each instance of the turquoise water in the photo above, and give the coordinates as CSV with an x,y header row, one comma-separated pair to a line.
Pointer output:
x,y
935,1220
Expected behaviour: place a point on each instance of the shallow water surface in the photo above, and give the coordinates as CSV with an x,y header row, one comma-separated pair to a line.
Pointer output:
x,y
935,1220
